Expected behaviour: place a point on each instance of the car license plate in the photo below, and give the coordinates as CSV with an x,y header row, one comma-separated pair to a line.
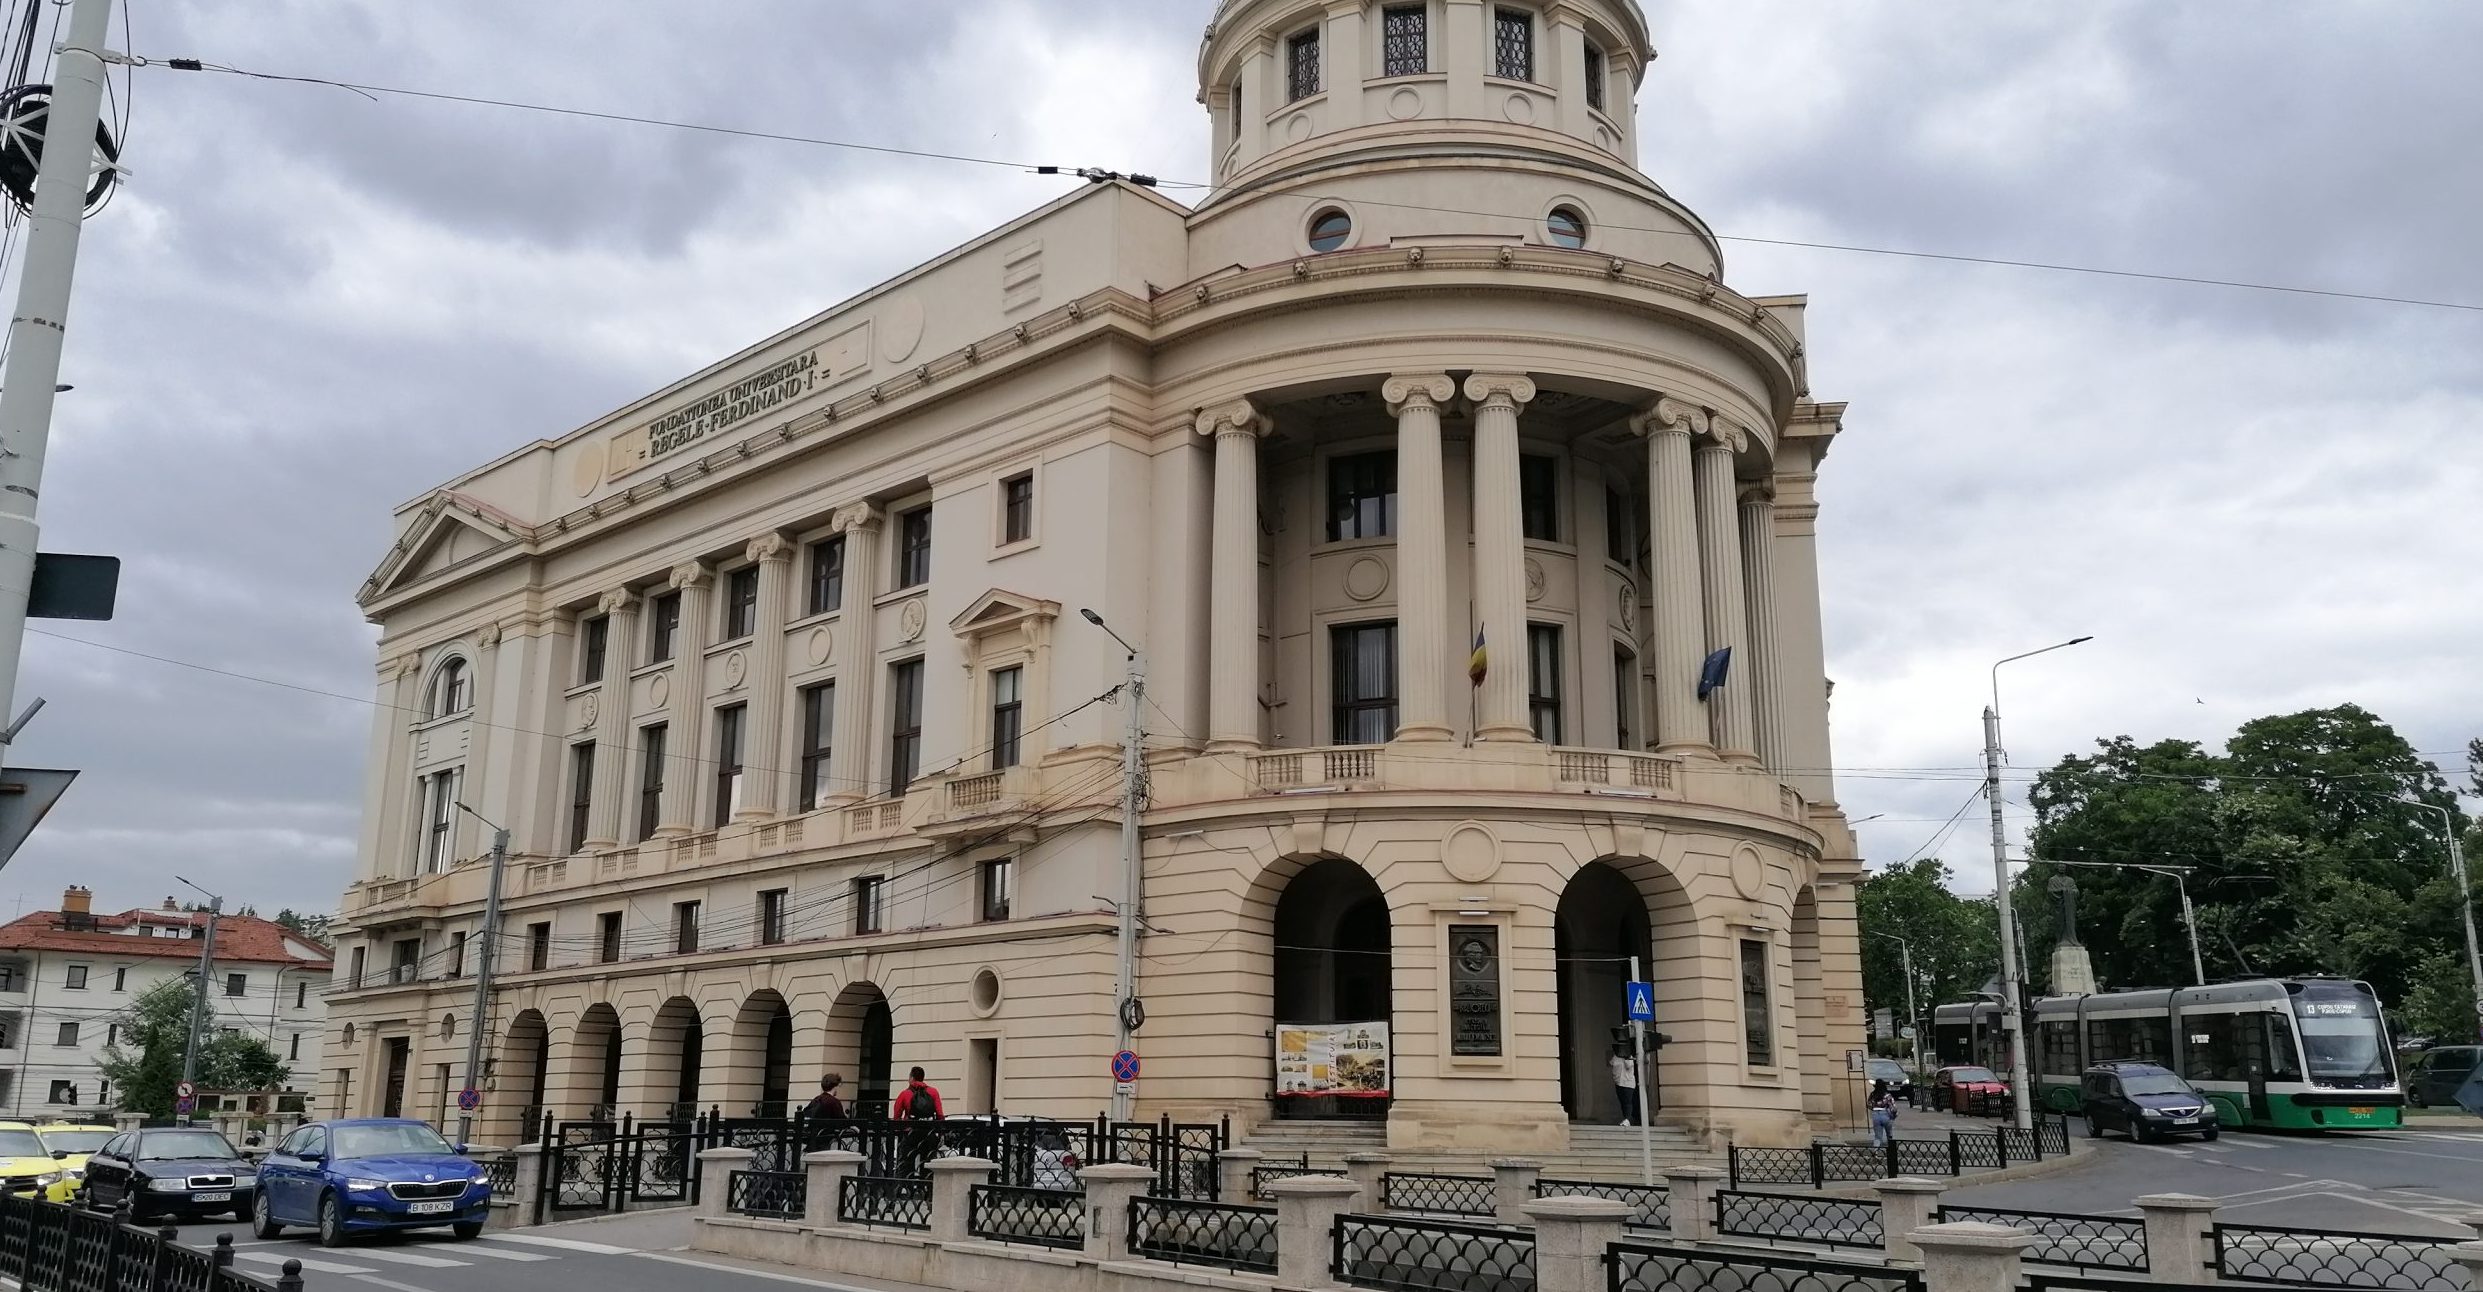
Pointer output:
x,y
211,1197
2361,1112
2185,1121
430,1208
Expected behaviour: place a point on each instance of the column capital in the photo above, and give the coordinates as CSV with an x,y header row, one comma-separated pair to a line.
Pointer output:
x,y
1516,389
1240,417
488,636
615,601
857,516
1725,433
688,574
403,666
768,547
1669,414
1564,13
1758,493
1417,390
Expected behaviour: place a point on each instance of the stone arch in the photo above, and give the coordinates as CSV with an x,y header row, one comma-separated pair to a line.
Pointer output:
x,y
599,1049
1810,1012
761,1083
1661,919
1329,944
676,1049
861,1047
521,1076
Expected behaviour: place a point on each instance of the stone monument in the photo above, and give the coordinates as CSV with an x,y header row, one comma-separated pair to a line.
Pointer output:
x,y
2073,974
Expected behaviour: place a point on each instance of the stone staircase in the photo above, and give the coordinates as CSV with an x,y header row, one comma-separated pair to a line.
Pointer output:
x,y
1595,1152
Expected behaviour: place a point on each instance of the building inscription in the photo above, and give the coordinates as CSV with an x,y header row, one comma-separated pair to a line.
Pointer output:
x,y
749,398
1474,990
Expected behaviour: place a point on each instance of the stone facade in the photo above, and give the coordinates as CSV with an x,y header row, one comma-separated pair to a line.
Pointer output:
x,y
1434,363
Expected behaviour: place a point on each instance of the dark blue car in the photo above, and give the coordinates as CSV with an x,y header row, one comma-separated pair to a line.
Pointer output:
x,y
368,1175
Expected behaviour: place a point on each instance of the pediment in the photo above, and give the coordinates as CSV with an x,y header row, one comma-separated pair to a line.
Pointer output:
x,y
999,610
450,531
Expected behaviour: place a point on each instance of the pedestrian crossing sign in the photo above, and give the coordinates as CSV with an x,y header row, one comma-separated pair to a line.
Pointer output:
x,y
1639,999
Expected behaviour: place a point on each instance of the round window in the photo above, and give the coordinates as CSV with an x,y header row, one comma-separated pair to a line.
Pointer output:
x,y
1330,229
986,992
448,1026
1567,226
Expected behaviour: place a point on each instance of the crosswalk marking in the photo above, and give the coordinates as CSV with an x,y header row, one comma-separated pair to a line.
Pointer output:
x,y
315,1267
564,1244
485,1249
388,1257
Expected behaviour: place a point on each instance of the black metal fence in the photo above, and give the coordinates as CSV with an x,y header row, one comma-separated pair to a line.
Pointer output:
x,y
2332,1258
1823,1164
49,1247
1651,1204
1643,1267
1442,1195
1833,1222
1040,1217
884,1203
2087,1242
1267,1173
1432,1255
770,1195
1224,1235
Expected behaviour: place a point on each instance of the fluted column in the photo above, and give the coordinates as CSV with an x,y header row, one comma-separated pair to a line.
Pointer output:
x,y
1672,528
763,755
480,736
1759,600
1233,578
612,733
857,647
687,724
1720,582
1423,673
1500,554
388,836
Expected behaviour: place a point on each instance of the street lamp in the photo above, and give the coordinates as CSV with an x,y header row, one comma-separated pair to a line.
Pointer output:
x,y
1913,1019
1128,1014
2465,900
2189,917
2011,1020
198,1005
482,980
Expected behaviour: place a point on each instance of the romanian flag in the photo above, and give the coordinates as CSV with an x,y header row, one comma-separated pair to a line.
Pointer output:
x,y
1479,664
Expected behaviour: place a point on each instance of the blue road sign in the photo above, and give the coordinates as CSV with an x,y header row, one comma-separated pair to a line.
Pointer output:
x,y
469,1099
1638,998
1125,1066
185,1105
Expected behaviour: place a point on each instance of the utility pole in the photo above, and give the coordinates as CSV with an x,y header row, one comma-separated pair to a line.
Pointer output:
x,y
1638,1069
198,1005
2012,1016
482,977
2465,902
1905,949
40,326
1128,1013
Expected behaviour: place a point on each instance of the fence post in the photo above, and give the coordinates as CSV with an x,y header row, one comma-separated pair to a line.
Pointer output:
x,y
2180,1237
1970,1256
1956,1154
1109,1188
952,1184
715,1175
2470,1255
290,1280
1692,1193
526,1185
1571,1237
224,1249
1306,1210
827,1173
1369,1173
159,1270
1906,1203
1819,1165
1513,1186
1233,1168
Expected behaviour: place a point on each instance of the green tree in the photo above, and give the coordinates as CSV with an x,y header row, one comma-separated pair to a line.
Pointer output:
x,y
313,927
145,1063
1954,939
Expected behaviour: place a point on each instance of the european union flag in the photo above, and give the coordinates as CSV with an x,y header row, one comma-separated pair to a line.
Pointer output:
x,y
1711,675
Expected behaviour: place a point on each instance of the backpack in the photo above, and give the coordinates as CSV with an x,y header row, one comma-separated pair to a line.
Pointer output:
x,y
919,1105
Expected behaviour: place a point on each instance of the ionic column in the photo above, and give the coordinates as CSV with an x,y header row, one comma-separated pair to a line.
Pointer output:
x,y
1673,592
479,733
1720,580
687,723
762,755
612,733
1233,574
1759,597
1500,554
857,647
1423,674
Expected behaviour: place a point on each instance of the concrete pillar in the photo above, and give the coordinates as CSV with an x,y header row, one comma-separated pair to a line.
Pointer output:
x,y
612,730
1500,554
1720,583
687,735
1366,1171
1343,76
766,776
1513,1186
1565,45
2180,1240
1758,524
1233,566
952,1181
1906,1204
715,1169
1571,1237
1672,528
1424,675
526,1185
477,787
1691,1193
826,1174
2469,1255
857,650
1108,1190
1233,1173
1801,664
1306,1210
1970,1256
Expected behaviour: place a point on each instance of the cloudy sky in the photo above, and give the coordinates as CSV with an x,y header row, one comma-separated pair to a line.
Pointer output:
x,y
310,307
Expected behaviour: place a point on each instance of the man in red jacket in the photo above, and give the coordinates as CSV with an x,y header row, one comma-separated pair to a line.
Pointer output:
x,y
918,1106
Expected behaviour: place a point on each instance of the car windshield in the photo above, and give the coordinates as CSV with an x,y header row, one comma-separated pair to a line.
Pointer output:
x,y
74,1141
1887,1070
2342,1039
175,1145
387,1141
1971,1074
2154,1083
21,1143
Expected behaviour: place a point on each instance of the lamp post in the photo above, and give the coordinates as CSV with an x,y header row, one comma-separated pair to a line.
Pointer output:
x,y
1127,1012
2178,874
482,976
2465,900
198,1004
2012,1021
1913,1020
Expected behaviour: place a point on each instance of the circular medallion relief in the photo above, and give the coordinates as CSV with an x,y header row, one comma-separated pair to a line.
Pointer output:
x,y
735,669
1748,873
1520,110
1298,127
901,329
588,474
1535,579
1366,578
1406,104
986,993
1470,854
659,690
912,619
1628,605
822,645
588,710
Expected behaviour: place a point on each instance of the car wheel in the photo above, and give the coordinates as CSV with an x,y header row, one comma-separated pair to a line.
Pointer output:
x,y
2414,1098
2210,1136
331,1221
262,1221
467,1229
2094,1128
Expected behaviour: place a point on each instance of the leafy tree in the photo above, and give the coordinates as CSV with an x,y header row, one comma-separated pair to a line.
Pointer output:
x,y
1954,939
145,1063
313,927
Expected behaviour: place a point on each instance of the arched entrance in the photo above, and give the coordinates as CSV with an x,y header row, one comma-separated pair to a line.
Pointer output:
x,y
677,1039
522,1070
1332,966
599,1045
764,1029
862,1047
1602,922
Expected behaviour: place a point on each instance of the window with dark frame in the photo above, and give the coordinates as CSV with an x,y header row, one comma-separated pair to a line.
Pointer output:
x,y
1598,73
406,956
685,928
1302,65
293,1048
999,875
1017,508
1758,1029
301,995
868,917
1543,681
1363,683
914,548
1624,697
772,916
120,979
456,956
1620,528
581,794
741,603
451,692
729,724
650,779
594,641
1008,716
68,1036
539,946
1362,495
827,576
608,937
1538,496
76,978
439,819
353,977
818,744
236,984
1513,44
663,627
905,724
1405,40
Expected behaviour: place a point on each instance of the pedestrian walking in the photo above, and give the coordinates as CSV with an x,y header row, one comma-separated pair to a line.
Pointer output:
x,y
918,1106
1625,1084
1883,1114
818,1118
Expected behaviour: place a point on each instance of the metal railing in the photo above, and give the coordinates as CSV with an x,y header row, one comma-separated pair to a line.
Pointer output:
x,y
1443,1195
1406,1255
1833,1222
1645,1267
2334,1258
884,1203
1040,1217
49,1247
771,1195
2087,1242
1220,1234
1822,1164
1651,1204
1267,1173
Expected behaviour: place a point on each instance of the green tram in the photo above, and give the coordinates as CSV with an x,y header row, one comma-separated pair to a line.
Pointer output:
x,y
2306,1053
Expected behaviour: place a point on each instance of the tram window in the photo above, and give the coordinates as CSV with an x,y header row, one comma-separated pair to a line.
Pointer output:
x,y
2144,1040
2223,1047
2284,1057
2060,1047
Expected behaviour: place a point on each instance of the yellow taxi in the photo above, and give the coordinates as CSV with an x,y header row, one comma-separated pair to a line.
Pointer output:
x,y
26,1166
69,1144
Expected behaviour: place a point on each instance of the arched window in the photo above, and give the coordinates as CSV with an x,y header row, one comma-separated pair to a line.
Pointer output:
x,y
452,691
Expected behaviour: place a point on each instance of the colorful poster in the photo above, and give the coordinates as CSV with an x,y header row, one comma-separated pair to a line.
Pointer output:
x,y
1347,1060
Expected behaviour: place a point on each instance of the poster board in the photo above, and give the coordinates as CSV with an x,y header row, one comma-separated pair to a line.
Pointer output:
x,y
1342,1060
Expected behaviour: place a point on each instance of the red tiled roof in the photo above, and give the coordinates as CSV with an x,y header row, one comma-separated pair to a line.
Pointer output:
x,y
244,939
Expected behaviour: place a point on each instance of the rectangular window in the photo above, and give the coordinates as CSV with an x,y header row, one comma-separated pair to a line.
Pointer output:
x,y
650,779
1405,40
594,640
741,603
728,762
112,1034
353,978
77,977
8,977
1624,698
663,627
301,995
439,820
120,980
236,984
68,1034
1620,528
1363,663
539,946
1017,508
998,874
1758,1034
293,1048
905,724
405,959
581,793
608,937
772,916
456,956
1543,687
818,741
827,576
1538,497
867,912
685,928
1008,715
1597,73
1513,44
914,548
65,1092
1362,496
1302,65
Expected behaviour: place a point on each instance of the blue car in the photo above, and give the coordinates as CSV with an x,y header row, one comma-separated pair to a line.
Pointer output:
x,y
368,1175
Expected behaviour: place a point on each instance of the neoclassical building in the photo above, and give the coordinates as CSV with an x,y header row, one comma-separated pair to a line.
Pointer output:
x,y
1462,514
